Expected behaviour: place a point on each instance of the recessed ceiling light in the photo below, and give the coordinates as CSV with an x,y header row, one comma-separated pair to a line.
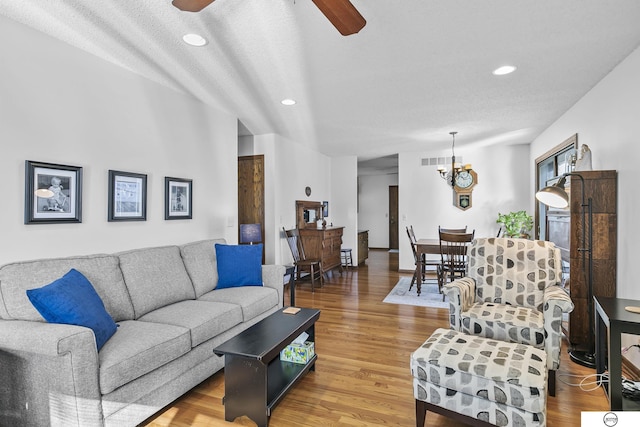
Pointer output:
x,y
506,69
288,101
194,39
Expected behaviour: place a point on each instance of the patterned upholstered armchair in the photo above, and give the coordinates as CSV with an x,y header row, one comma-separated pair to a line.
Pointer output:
x,y
512,293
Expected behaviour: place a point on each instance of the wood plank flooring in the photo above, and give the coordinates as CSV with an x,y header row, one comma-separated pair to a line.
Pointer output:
x,y
362,375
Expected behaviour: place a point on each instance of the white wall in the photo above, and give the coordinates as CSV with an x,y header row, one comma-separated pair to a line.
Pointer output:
x,y
606,119
59,104
426,201
373,214
245,145
343,203
289,168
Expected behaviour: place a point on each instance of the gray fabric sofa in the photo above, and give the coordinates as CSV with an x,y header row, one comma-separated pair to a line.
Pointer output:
x,y
170,318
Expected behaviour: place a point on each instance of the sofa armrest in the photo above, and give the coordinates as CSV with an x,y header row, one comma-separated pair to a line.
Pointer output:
x,y
462,295
49,375
556,303
273,277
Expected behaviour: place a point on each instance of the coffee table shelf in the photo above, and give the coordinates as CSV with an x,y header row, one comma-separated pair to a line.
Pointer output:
x,y
281,376
255,378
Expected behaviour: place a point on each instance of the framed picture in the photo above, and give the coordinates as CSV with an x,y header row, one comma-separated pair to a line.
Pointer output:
x,y
127,196
178,199
53,193
325,209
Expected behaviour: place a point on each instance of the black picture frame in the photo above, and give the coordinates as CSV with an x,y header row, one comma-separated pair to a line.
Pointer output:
x,y
178,198
127,196
53,193
325,209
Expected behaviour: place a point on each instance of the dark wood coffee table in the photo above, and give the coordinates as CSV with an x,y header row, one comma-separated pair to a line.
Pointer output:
x,y
255,380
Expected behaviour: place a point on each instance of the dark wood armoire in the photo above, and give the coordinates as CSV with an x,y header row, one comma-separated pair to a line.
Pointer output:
x,y
601,187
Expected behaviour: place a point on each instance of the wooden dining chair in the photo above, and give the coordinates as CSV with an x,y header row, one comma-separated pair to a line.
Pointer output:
x,y
302,263
412,241
453,255
425,262
453,230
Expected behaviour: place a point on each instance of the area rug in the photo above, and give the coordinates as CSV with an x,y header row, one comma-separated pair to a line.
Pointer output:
x,y
429,295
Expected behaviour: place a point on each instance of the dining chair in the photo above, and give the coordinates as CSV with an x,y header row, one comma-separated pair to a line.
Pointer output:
x,y
453,230
412,241
302,263
425,262
453,254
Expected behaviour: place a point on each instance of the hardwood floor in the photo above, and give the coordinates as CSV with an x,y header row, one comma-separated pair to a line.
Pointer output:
x,y
362,375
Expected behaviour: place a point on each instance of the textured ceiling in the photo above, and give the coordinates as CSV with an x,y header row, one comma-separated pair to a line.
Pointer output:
x,y
418,69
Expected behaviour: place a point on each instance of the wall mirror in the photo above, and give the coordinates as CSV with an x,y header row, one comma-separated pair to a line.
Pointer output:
x,y
308,214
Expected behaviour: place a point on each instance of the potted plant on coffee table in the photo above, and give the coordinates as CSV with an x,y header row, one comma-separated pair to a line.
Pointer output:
x,y
516,224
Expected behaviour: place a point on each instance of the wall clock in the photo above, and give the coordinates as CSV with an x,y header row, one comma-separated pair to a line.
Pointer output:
x,y
464,182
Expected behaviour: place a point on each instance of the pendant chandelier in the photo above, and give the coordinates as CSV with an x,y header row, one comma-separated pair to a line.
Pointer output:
x,y
456,168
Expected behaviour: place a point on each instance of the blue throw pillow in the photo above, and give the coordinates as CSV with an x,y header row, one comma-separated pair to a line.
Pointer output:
x,y
72,300
239,265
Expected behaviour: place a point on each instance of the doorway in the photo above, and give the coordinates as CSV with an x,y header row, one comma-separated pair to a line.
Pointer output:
x,y
393,217
251,193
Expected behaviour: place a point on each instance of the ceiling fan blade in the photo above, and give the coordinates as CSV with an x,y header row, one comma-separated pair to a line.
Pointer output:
x,y
342,14
191,5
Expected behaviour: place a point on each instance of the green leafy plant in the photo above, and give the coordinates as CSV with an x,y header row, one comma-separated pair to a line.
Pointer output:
x,y
516,224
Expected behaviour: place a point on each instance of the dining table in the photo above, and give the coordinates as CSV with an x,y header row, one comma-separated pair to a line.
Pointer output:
x,y
425,246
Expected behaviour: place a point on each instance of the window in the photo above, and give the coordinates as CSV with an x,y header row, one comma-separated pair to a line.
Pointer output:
x,y
551,164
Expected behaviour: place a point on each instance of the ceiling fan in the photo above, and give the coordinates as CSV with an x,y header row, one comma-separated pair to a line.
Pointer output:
x,y
341,13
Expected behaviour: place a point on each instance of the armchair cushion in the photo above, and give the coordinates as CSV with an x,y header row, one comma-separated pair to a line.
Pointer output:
x,y
505,323
514,271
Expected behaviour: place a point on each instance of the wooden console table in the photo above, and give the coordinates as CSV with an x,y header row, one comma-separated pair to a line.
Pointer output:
x,y
323,243
319,242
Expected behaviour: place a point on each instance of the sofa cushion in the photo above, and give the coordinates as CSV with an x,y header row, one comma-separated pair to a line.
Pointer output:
x,y
253,300
200,261
71,300
239,265
102,271
155,277
204,319
137,349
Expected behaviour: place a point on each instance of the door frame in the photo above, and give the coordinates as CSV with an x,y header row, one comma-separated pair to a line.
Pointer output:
x,y
394,233
258,204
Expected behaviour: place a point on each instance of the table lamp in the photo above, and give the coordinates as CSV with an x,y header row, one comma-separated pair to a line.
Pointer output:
x,y
250,233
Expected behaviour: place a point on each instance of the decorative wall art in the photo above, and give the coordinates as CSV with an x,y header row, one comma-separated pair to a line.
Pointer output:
x,y
53,193
178,198
127,196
